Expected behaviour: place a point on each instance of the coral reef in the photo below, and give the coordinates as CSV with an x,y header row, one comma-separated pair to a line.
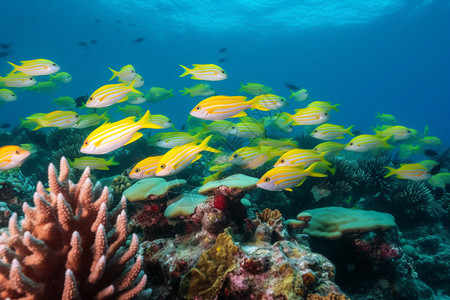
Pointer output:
x,y
66,142
68,246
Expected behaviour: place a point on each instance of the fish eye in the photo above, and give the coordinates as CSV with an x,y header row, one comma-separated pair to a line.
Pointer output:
x,y
54,65
90,98
315,130
198,107
17,151
159,140
351,144
233,127
282,161
223,72
86,143
326,114
137,170
68,76
408,131
162,166
235,155
267,179
169,121
31,78
315,149
13,95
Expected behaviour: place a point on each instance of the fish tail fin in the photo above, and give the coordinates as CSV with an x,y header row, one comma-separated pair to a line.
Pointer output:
x,y
321,157
14,68
255,104
335,107
288,120
349,130
292,94
391,172
145,123
204,145
131,86
115,73
241,89
184,92
310,171
70,162
187,71
385,141
111,162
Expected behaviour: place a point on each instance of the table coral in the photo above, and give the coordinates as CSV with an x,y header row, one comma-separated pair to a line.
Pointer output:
x,y
71,245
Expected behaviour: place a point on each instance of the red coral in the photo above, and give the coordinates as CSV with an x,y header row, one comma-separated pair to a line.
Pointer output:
x,y
255,265
220,202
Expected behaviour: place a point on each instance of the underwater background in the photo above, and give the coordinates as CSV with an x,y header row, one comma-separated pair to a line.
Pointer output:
x,y
371,57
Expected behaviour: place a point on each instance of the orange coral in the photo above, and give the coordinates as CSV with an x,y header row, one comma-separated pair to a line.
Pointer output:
x,y
269,216
67,247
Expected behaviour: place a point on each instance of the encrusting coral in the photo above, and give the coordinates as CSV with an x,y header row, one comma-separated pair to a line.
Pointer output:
x,y
69,246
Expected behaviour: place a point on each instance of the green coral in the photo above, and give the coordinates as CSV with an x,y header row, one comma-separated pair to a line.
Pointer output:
x,y
206,279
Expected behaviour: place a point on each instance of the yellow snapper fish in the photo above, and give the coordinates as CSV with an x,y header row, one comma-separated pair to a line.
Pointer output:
x,y
247,128
173,139
61,77
221,107
308,116
94,163
223,126
180,157
255,89
30,123
300,95
46,87
156,94
431,140
126,73
138,81
416,172
281,122
253,157
36,67
17,80
162,121
386,118
328,132
285,178
326,106
58,118
398,133
65,101
406,151
212,177
269,102
145,168
85,121
366,142
7,95
131,110
329,147
202,89
136,98
300,157
111,136
208,72
220,167
281,143
12,156
110,94
439,180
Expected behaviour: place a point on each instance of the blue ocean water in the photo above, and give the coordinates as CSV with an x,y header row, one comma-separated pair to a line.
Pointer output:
x,y
371,56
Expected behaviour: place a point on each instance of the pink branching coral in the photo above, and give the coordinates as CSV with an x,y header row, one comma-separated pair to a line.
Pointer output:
x,y
71,245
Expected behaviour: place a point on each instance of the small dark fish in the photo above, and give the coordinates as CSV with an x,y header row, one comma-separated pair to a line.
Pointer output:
x,y
93,42
292,87
6,46
435,170
222,60
118,21
183,127
222,50
356,132
430,153
5,125
4,54
138,40
84,44
81,100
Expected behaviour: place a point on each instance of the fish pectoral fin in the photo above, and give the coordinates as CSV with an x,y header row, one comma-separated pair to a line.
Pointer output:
x,y
301,182
103,168
289,190
123,99
135,137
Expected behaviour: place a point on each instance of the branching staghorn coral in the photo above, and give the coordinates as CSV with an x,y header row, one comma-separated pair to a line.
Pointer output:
x,y
68,246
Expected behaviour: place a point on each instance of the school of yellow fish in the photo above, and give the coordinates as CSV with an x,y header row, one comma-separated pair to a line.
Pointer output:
x,y
291,165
